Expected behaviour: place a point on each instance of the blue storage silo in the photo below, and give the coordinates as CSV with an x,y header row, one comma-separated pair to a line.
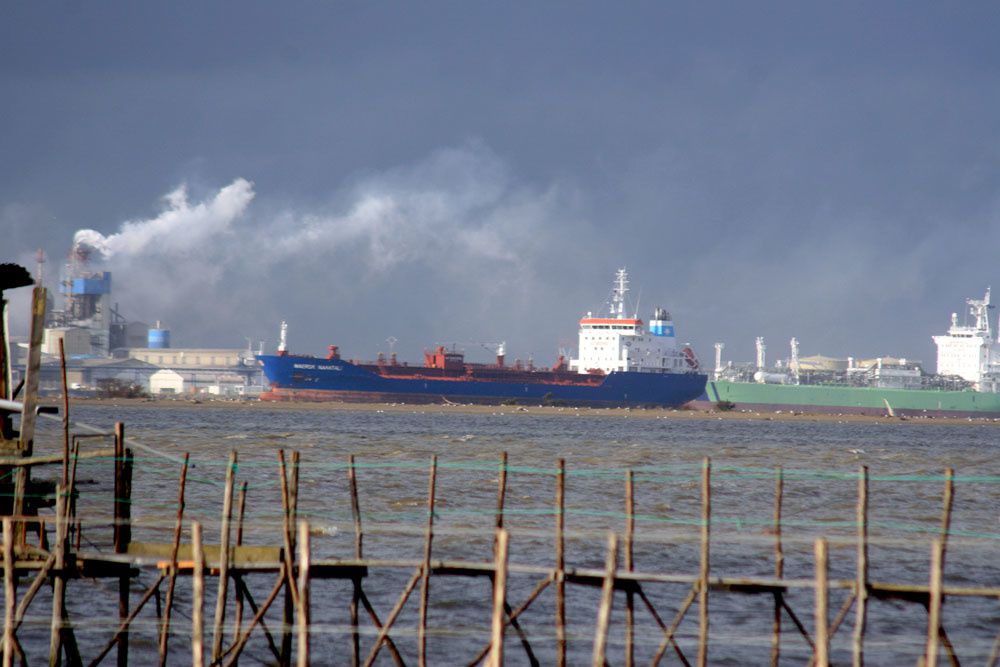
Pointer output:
x,y
159,339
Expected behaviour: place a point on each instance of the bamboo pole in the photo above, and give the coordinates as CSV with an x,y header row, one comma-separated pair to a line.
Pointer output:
x,y
779,565
223,588
861,582
560,572
291,590
59,581
123,627
607,597
9,593
934,604
627,548
501,492
123,529
302,610
31,461
425,580
706,517
355,582
822,650
499,596
947,502
26,437
198,598
41,578
383,633
240,513
172,581
65,413
258,618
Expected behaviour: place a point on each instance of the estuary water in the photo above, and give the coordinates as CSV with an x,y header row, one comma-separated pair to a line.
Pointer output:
x,y
393,450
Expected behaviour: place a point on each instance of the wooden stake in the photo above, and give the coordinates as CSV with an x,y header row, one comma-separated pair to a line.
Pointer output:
x,y
501,489
291,590
26,438
779,565
607,596
948,501
198,597
123,528
302,610
706,517
426,568
822,605
59,581
356,582
169,600
9,593
383,633
861,581
934,604
499,597
223,589
238,612
627,548
560,573
65,413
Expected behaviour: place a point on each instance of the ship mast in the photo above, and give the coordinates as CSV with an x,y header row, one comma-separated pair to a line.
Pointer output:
x,y
618,298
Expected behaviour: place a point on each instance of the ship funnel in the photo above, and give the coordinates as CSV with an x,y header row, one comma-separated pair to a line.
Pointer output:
x,y
283,340
661,324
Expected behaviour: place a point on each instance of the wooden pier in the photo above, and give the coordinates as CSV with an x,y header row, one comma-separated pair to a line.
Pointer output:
x,y
213,598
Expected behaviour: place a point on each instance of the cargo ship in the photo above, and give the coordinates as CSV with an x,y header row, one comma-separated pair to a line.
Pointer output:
x,y
621,362
965,385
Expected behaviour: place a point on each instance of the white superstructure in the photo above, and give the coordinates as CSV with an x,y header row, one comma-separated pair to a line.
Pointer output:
x,y
970,351
620,343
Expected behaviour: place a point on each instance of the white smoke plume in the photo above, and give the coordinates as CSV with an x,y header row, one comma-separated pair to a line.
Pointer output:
x,y
179,228
446,235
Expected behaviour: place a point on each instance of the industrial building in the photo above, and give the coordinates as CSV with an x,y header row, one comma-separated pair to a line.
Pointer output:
x,y
103,348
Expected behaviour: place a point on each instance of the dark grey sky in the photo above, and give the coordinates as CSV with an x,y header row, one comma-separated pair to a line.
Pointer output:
x,y
469,171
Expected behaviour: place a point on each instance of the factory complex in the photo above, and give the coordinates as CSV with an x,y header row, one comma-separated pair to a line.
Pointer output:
x,y
109,355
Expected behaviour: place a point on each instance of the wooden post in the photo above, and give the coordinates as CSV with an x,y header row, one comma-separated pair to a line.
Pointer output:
x,y
223,588
779,565
198,598
948,501
9,593
560,573
426,569
59,580
240,513
499,596
861,581
356,582
627,548
934,604
26,438
501,490
65,413
607,597
169,600
706,517
291,591
822,605
303,602
122,528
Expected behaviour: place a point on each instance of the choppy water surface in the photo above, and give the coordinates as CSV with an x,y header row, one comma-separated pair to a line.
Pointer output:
x,y
393,451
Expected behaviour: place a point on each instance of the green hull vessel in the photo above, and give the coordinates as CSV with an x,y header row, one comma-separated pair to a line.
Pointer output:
x,y
853,400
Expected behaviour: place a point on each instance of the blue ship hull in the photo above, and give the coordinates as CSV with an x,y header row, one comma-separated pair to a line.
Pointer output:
x,y
310,378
